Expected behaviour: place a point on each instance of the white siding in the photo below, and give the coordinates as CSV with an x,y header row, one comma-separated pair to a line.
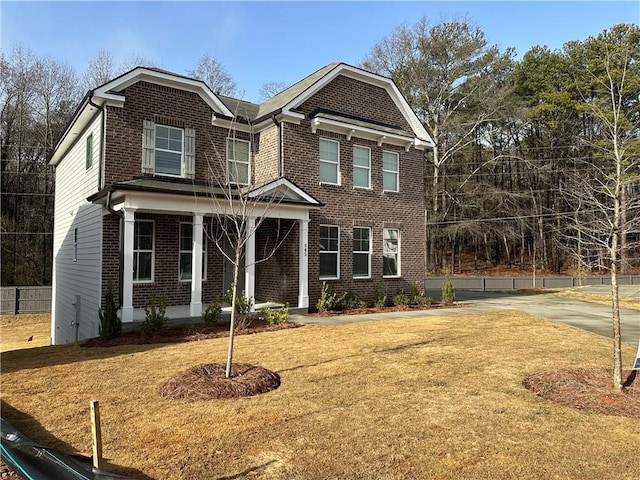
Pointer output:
x,y
74,183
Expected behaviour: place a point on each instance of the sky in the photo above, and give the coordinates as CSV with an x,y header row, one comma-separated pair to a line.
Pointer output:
x,y
267,41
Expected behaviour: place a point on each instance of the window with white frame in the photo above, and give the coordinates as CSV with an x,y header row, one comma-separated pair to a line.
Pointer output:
x,y
89,152
361,252
143,251
168,150
75,244
391,252
390,171
329,252
186,256
329,161
361,167
238,161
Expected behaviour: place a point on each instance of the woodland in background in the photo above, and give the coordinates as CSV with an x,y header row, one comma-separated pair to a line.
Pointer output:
x,y
536,165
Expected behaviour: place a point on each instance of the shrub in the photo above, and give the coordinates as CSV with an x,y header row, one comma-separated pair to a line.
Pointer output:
x,y
448,293
110,323
155,315
379,297
275,316
327,300
243,303
213,312
350,301
401,299
418,297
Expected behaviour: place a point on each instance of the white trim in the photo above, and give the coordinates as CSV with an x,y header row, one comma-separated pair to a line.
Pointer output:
x,y
181,251
396,172
362,277
337,277
248,162
303,264
398,254
273,185
368,168
156,149
336,163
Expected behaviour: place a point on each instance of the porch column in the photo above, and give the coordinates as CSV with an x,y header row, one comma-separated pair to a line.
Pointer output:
x,y
127,266
250,258
303,265
195,308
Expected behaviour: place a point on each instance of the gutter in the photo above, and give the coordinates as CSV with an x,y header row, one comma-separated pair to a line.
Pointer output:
x,y
279,125
103,134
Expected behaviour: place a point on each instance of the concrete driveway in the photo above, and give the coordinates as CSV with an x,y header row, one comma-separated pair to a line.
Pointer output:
x,y
592,317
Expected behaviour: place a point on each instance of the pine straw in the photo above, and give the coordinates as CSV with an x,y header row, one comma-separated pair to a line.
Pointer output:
x,y
208,381
587,389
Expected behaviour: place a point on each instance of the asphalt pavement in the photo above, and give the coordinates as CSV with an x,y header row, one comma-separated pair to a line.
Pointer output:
x,y
588,316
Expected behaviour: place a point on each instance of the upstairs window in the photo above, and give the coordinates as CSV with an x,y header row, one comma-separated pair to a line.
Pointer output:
x,y
168,150
329,252
361,167
391,252
329,161
390,171
143,251
361,252
186,252
89,153
238,161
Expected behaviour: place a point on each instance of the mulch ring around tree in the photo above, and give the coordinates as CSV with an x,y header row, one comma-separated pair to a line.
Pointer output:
x,y
186,333
208,381
588,389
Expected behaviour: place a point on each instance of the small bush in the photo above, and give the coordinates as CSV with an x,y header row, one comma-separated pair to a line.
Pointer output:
x,y
244,304
327,300
418,297
448,293
213,312
275,316
110,323
350,301
401,299
155,317
379,297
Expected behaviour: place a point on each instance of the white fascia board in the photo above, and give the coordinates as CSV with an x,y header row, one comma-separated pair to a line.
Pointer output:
x,y
272,186
180,83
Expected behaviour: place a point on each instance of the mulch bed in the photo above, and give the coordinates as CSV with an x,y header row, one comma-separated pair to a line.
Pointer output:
x,y
208,381
398,308
588,389
186,333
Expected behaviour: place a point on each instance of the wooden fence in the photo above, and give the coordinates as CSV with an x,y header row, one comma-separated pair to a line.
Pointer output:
x,y
15,300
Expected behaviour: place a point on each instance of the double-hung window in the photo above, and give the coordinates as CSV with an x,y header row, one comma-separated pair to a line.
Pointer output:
x,y
75,244
169,149
329,161
186,252
361,252
238,161
390,171
89,153
391,252
143,251
329,252
361,167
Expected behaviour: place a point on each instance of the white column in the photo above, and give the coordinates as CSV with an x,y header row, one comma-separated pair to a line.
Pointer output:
x,y
195,308
303,265
127,265
250,258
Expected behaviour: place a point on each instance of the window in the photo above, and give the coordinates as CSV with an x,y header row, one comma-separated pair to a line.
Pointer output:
x,y
329,251
186,248
390,169
237,161
75,244
391,252
361,167
329,161
168,150
143,251
89,153
361,252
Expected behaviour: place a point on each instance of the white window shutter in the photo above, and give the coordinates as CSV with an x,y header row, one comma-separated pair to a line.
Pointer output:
x,y
189,152
148,147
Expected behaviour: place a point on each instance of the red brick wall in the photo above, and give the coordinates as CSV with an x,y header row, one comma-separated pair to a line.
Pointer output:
x,y
266,156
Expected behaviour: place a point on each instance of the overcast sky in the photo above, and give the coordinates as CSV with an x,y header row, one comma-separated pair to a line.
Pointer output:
x,y
265,41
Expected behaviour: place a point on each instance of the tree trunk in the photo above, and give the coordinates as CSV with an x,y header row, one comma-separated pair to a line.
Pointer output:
x,y
232,323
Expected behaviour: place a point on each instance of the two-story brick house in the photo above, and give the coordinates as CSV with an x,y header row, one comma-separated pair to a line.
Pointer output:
x,y
141,176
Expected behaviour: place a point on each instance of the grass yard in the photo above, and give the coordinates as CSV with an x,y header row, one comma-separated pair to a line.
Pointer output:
x,y
438,397
576,294
24,331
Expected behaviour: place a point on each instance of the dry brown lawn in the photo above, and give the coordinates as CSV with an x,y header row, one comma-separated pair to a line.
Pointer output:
x,y
438,397
24,331
576,294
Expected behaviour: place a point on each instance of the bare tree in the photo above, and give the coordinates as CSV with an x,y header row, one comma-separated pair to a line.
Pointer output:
x,y
271,89
214,74
101,69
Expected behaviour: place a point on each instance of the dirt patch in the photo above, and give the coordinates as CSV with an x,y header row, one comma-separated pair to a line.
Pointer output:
x,y
209,381
588,389
186,333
